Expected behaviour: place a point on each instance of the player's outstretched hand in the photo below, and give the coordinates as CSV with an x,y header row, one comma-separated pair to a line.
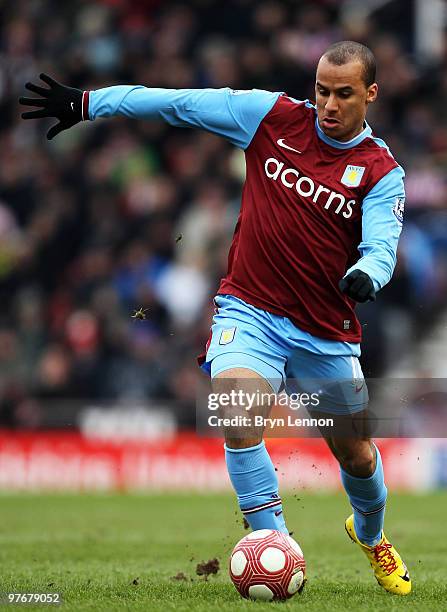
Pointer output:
x,y
358,286
59,101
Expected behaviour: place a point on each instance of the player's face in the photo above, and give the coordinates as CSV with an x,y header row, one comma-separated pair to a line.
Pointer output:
x,y
342,98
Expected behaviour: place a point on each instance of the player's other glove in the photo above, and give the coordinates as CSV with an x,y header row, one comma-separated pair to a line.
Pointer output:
x,y
67,104
358,286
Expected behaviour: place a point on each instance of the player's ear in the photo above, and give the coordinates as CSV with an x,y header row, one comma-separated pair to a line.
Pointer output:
x,y
371,93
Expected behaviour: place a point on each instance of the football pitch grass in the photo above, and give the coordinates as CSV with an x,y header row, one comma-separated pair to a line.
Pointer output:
x,y
121,552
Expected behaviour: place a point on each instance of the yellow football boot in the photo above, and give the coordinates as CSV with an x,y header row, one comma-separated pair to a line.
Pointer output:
x,y
389,569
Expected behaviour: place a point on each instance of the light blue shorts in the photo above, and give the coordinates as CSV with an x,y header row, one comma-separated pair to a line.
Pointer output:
x,y
243,336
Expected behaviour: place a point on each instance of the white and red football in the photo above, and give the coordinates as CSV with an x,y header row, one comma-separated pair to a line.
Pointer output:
x,y
267,565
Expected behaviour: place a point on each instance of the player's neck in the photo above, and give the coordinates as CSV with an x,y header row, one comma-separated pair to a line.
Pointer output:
x,y
349,141
352,134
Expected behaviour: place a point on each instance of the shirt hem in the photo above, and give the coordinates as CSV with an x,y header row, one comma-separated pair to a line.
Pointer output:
x,y
305,326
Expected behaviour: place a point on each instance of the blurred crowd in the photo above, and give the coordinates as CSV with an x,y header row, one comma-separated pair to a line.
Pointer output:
x,y
117,215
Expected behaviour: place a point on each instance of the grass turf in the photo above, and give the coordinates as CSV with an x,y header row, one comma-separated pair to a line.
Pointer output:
x,y
92,548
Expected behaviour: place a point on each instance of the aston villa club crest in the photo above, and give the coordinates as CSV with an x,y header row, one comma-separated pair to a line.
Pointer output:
x,y
352,175
227,335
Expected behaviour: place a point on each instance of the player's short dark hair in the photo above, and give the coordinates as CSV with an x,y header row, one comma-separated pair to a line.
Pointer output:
x,y
347,51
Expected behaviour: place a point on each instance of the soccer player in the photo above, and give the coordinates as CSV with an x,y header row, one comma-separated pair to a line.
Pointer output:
x,y
320,219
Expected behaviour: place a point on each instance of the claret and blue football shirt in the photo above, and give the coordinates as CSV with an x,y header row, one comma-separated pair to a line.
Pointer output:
x,y
313,208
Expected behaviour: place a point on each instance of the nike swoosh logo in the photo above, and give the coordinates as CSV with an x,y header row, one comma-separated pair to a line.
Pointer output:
x,y
281,143
406,577
278,512
358,389
72,106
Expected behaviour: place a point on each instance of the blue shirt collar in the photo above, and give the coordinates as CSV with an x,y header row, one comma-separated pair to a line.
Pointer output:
x,y
367,131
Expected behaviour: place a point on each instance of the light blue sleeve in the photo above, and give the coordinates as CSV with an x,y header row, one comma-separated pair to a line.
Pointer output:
x,y
233,114
382,216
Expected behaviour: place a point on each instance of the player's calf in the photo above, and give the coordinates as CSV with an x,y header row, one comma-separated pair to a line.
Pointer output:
x,y
362,476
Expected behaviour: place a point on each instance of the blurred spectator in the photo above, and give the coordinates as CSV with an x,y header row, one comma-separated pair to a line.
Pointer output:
x,y
120,215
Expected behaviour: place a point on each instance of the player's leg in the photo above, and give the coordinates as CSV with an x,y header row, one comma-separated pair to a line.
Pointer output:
x,y
343,394
245,354
249,465
362,476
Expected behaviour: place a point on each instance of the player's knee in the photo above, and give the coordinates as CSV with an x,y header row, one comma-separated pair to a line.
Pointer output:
x,y
360,465
238,442
357,460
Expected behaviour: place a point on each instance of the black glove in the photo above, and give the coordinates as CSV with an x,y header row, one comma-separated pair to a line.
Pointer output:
x,y
358,286
63,103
